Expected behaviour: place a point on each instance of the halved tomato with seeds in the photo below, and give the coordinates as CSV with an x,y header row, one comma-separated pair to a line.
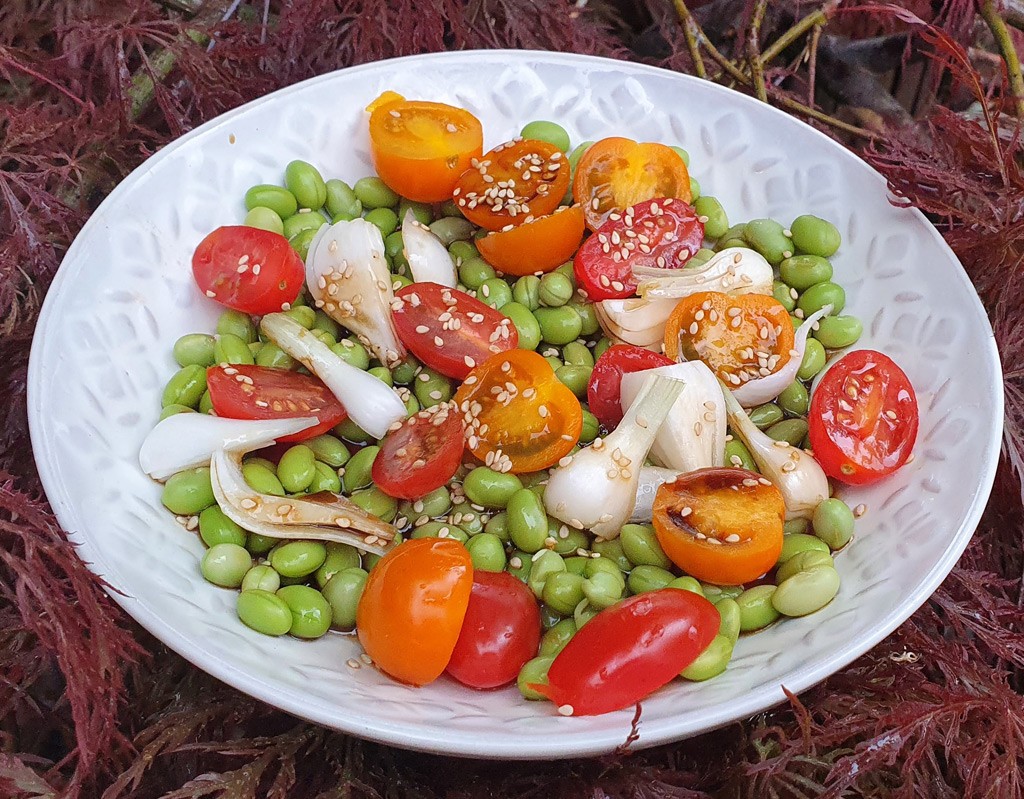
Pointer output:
x,y
514,181
422,454
537,245
740,338
720,525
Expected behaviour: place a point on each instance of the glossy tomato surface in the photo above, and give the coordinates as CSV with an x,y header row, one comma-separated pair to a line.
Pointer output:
x,y
604,392
540,245
421,455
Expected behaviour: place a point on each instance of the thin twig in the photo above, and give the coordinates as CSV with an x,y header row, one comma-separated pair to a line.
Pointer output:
x,y
689,31
754,50
189,7
821,116
812,63
798,29
997,25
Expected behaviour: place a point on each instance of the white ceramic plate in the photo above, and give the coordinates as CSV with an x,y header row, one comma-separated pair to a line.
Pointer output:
x,y
124,293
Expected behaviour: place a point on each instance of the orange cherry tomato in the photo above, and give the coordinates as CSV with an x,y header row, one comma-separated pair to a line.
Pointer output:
x,y
739,337
723,526
411,611
616,173
420,149
535,246
519,417
514,181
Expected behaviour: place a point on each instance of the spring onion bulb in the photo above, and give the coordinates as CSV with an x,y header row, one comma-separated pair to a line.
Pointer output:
x,y
736,270
428,258
635,320
596,487
651,479
369,402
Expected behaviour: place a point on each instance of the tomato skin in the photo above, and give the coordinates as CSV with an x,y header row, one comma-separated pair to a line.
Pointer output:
x,y
863,418
629,650
223,252
672,233
500,633
537,246
422,306
286,395
411,611
604,392
423,454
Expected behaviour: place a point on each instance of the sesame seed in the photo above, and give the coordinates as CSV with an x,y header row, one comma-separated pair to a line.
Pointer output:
x,y
860,510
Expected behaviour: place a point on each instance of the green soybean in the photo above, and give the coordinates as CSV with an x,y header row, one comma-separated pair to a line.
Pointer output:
x,y
341,201
702,256
216,528
462,251
351,432
718,593
306,183
498,525
298,558
432,387
789,430
302,314
575,378
206,402
803,271
310,612
497,293
265,219
487,552
382,373
489,488
434,503
527,520
372,192
603,589
534,672
405,371
450,229
641,547
337,557
792,526
648,578
806,592
302,221
261,578
833,523
820,295
328,449
766,415
558,326
189,492
186,387
264,612
376,502
384,219
474,272
837,332
584,612
578,152
260,544
589,324
421,212
576,353
756,608
174,410
343,592
543,565
694,188
687,583
555,290
767,237
729,612
814,235
814,358
795,543
737,454
783,295
526,324
353,353
262,479
526,291
520,565
300,242
394,245
711,662
717,222
613,551
801,562
357,470
273,356
554,640
563,591
281,201
231,349
550,132
194,349
794,399
440,529
225,565
591,427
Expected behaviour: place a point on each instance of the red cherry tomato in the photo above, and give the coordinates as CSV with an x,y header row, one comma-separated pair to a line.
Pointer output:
x,y
863,418
450,331
259,392
500,633
629,650
421,455
604,392
660,233
251,270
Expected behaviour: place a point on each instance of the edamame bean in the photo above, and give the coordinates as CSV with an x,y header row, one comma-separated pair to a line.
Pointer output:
x,y
206,402
498,525
394,245
260,544
298,558
803,271
574,378
648,578
603,589
554,640
273,356
563,591
357,470
262,479
474,272
789,430
432,387
376,502
450,229
534,672
435,503
343,592
806,591
310,611
584,612
225,565
302,314
489,488
550,132
792,526
567,539
520,565
694,188
497,293
526,292
462,251
729,612
399,282
702,256
186,387
421,212
555,290
756,608
351,432
526,324
814,235
297,468
261,578
189,492
306,183
783,295
194,349
577,153
353,353
264,612
591,427
384,219
265,219
837,332
766,415
372,192
236,323
612,549
794,399
544,564
814,357
641,547
303,220
329,450
278,199
300,242
716,593
487,552
382,373
687,583
821,294
527,520
341,201
404,372
558,326
717,222
554,362
767,237
589,324
832,523
711,662
801,562
174,409
576,353
737,454
795,543
231,349
216,528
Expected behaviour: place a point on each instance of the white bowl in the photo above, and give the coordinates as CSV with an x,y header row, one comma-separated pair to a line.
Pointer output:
x,y
124,293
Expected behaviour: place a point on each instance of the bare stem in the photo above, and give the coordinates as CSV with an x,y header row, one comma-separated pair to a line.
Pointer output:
x,y
812,63
798,29
997,25
690,32
754,50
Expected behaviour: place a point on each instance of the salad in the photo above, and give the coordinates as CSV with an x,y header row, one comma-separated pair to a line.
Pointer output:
x,y
536,415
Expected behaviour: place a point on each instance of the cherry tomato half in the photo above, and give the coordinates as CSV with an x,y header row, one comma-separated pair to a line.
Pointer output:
x,y
259,392
251,270
420,149
519,417
720,525
421,455
662,233
535,246
629,650
500,633
411,611
863,418
604,392
448,330
615,173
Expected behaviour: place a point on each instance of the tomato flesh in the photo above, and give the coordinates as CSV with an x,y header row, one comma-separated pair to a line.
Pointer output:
x,y
251,270
540,245
448,330
720,525
604,392
421,455
500,633
863,418
241,391
662,233
411,610
629,650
